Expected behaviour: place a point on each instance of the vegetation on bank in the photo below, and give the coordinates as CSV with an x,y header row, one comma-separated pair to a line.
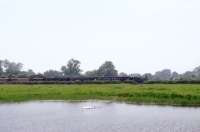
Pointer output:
x,y
107,69
108,82
184,81
168,94
74,82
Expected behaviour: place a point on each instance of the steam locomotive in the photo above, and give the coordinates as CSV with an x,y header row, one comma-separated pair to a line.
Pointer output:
x,y
122,79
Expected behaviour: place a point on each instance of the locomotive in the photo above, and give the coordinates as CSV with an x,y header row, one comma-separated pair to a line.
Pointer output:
x,y
122,79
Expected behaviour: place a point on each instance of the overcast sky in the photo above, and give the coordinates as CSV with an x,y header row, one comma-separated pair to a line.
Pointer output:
x,y
138,36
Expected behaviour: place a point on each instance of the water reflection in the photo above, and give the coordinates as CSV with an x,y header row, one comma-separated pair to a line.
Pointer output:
x,y
70,117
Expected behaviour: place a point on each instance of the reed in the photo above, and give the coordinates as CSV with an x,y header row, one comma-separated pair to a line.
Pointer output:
x,y
169,94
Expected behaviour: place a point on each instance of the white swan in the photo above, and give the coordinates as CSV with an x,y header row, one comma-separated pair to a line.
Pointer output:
x,y
87,107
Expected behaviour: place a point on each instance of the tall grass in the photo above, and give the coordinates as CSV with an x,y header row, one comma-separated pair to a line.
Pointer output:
x,y
171,94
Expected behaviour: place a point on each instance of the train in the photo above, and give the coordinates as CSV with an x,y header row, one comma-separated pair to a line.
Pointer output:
x,y
122,79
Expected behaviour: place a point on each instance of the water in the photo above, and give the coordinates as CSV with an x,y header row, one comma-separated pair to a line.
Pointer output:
x,y
63,116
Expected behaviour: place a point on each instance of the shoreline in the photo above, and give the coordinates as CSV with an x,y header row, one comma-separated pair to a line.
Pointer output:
x,y
102,101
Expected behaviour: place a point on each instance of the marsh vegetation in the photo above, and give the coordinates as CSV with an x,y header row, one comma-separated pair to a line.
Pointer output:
x,y
169,94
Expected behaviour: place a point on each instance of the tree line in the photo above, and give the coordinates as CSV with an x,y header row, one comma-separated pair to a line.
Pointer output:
x,y
72,69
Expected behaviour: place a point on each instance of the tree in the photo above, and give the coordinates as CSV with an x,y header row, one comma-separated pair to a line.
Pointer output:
x,y
174,75
149,76
107,69
189,75
157,75
122,74
53,73
180,75
12,67
196,71
22,76
30,72
91,73
10,75
135,75
164,74
1,67
72,68
39,75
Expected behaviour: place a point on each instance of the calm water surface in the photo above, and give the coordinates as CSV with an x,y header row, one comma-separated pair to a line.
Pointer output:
x,y
63,116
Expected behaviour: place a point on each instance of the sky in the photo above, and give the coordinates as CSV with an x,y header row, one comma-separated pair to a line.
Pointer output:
x,y
138,36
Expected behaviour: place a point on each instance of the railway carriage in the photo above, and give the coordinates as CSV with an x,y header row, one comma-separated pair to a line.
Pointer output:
x,y
122,79
57,79
4,80
38,79
84,79
19,79
114,78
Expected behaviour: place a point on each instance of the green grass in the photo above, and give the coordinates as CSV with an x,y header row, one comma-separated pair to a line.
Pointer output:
x,y
167,94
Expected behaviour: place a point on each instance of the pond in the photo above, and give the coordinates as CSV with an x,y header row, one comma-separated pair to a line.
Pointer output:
x,y
65,116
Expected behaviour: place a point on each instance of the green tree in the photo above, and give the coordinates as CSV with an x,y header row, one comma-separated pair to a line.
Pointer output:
x,y
157,75
164,74
196,71
53,73
174,75
10,75
149,76
122,74
188,75
72,68
91,73
30,72
12,67
22,75
180,75
135,75
107,69
1,67
39,75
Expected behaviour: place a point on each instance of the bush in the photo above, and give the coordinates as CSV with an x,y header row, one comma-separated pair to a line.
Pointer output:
x,y
70,82
97,82
116,81
103,82
130,82
63,82
107,82
77,82
86,82
181,82
172,82
18,83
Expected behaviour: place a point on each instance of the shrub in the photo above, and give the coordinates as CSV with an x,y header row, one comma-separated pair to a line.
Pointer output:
x,y
130,82
97,82
63,82
107,82
170,82
102,82
77,82
181,81
116,81
70,82
86,82
153,82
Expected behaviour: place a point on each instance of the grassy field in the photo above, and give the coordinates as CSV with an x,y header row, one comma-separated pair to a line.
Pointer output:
x,y
166,94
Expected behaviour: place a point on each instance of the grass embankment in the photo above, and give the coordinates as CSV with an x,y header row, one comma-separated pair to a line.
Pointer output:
x,y
186,94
